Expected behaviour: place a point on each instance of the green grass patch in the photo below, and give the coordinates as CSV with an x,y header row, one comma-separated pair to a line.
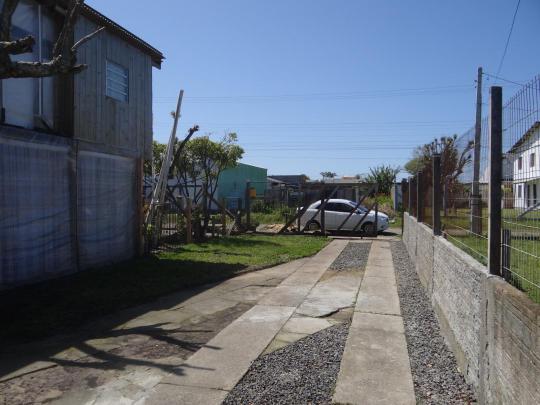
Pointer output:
x,y
47,308
524,263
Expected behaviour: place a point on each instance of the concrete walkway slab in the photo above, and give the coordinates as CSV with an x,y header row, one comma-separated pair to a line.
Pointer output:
x,y
375,367
225,359
219,365
378,296
330,295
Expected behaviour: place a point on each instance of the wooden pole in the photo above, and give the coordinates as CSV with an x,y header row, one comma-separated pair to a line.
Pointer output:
x,y
189,230
323,205
436,194
248,205
419,198
223,217
495,181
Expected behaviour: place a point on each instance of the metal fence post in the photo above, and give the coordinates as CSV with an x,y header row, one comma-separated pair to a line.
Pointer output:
x,y
495,181
419,198
436,195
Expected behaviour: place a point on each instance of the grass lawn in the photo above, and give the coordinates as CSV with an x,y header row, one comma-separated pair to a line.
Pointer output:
x,y
524,260
59,305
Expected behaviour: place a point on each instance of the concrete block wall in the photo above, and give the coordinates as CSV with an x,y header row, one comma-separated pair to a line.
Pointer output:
x,y
492,328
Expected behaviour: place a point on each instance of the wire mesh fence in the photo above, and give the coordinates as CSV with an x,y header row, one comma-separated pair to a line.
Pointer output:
x,y
465,184
521,188
465,191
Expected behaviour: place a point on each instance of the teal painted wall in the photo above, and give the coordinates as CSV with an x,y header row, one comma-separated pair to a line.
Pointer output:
x,y
232,182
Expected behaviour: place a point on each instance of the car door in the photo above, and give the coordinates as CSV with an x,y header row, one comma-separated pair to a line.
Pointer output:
x,y
343,213
330,214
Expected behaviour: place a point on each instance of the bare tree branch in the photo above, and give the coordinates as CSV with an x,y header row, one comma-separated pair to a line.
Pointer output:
x,y
64,58
86,38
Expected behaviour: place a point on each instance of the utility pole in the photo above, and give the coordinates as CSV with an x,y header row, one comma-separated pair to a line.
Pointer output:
x,y
476,198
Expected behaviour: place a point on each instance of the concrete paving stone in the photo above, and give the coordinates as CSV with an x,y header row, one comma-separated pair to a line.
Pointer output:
x,y
168,394
29,368
161,318
331,295
375,367
305,325
248,294
210,306
225,358
378,295
286,295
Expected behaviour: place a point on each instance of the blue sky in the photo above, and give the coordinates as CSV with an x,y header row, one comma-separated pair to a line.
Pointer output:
x,y
317,85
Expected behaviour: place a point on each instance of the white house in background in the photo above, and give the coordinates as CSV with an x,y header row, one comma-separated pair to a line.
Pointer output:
x,y
526,168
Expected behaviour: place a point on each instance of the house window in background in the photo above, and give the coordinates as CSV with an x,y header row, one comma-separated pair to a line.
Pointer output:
x,y
117,82
519,190
532,159
520,163
29,102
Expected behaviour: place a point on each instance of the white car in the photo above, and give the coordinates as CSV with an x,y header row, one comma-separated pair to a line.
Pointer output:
x,y
336,210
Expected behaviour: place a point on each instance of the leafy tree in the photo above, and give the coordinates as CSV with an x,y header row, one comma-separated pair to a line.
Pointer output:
x,y
200,164
328,175
453,159
158,152
384,176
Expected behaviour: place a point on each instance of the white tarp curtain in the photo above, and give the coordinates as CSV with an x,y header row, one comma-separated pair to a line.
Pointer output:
x,y
107,208
35,239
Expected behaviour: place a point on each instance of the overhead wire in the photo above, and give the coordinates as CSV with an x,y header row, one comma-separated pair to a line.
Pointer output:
x,y
508,39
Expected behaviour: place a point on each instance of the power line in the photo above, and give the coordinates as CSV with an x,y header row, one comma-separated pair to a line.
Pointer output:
x,y
323,96
508,39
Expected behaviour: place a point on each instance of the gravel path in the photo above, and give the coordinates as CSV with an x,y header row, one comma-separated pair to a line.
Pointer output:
x,y
301,373
435,374
354,255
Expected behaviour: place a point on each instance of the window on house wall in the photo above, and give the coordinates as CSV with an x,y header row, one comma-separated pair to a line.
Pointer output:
x,y
520,163
519,192
117,82
532,158
534,196
29,102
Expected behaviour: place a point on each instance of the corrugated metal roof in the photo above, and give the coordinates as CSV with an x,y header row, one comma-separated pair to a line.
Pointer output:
x,y
95,16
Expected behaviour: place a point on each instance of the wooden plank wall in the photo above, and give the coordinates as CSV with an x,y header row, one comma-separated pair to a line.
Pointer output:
x,y
119,127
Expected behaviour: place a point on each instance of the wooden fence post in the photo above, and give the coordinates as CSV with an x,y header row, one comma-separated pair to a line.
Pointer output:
x,y
248,205
223,217
376,225
188,221
495,181
436,195
419,197
323,219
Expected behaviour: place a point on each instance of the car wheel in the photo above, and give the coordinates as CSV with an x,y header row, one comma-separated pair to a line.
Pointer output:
x,y
313,226
368,228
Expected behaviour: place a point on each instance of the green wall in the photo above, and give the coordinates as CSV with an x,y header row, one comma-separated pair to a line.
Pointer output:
x,y
232,182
